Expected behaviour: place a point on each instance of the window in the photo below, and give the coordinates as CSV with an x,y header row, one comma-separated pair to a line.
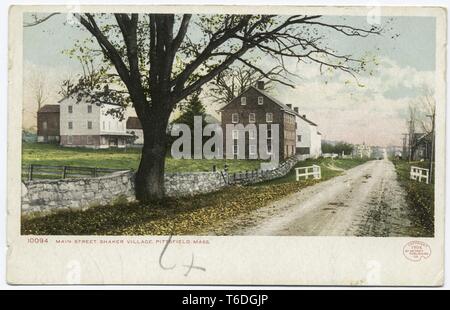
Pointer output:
x,y
235,134
269,117
89,125
89,108
299,138
235,118
269,133
70,125
252,134
260,100
251,118
69,139
235,149
70,109
243,100
89,139
252,149
44,125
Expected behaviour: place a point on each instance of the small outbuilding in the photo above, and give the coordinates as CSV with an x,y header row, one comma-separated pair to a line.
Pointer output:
x,y
48,123
134,127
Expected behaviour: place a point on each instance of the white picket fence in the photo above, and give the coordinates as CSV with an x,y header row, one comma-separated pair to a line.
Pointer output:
x,y
302,157
419,174
305,172
330,155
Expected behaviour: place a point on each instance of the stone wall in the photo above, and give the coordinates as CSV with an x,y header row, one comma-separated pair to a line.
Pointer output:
x,y
188,184
49,195
251,177
63,194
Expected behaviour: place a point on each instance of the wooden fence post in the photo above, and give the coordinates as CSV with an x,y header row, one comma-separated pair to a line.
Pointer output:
x,y
64,172
30,172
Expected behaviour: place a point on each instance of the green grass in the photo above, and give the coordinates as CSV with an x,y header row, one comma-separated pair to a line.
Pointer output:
x,y
419,197
55,155
198,215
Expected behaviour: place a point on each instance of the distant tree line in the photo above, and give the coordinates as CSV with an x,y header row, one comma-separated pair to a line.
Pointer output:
x,y
337,148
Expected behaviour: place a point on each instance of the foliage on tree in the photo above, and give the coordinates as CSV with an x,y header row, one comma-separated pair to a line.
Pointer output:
x,y
337,148
189,109
192,107
154,61
233,81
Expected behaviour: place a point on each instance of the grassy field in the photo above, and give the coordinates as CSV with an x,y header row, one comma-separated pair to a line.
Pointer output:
x,y
199,215
419,197
52,154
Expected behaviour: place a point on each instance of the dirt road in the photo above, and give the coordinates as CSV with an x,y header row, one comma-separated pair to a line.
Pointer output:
x,y
365,201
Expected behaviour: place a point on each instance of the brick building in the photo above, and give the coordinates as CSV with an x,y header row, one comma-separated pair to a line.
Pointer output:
x,y
255,106
48,123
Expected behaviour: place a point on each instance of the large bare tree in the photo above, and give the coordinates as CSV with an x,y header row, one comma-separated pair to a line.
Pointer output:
x,y
160,59
427,105
233,81
38,84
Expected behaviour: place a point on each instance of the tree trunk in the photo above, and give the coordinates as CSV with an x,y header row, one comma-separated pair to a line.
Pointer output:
x,y
149,182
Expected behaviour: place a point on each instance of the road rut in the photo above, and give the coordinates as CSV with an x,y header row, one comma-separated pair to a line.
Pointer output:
x,y
365,201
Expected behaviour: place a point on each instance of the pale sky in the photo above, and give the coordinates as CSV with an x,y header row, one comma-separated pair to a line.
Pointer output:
x,y
371,110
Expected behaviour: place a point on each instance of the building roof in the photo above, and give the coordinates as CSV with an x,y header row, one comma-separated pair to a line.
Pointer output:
x,y
424,138
307,120
133,123
283,106
97,103
209,119
49,108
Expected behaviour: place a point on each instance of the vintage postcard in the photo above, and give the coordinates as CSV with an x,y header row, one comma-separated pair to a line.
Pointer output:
x,y
243,145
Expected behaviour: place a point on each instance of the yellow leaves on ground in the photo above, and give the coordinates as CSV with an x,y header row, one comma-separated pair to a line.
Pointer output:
x,y
197,215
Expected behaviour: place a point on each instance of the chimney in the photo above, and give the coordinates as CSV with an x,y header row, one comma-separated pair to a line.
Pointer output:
x,y
289,106
260,85
304,115
296,109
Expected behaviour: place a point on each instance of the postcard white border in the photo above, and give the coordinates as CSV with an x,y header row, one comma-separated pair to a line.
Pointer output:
x,y
228,260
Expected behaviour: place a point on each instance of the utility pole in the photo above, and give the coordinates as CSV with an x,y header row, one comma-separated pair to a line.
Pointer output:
x,y
404,152
412,136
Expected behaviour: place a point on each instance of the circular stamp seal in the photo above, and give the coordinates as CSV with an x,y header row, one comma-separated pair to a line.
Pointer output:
x,y
416,251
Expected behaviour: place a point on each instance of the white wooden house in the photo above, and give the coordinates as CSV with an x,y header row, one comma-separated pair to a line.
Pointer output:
x,y
89,125
309,139
362,150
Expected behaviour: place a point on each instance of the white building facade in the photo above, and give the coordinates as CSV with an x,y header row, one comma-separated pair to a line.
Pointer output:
x,y
362,150
309,139
89,125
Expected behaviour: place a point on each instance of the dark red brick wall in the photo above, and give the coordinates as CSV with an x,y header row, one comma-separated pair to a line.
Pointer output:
x,y
52,119
252,106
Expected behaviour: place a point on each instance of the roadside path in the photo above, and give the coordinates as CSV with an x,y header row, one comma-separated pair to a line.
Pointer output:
x,y
365,201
